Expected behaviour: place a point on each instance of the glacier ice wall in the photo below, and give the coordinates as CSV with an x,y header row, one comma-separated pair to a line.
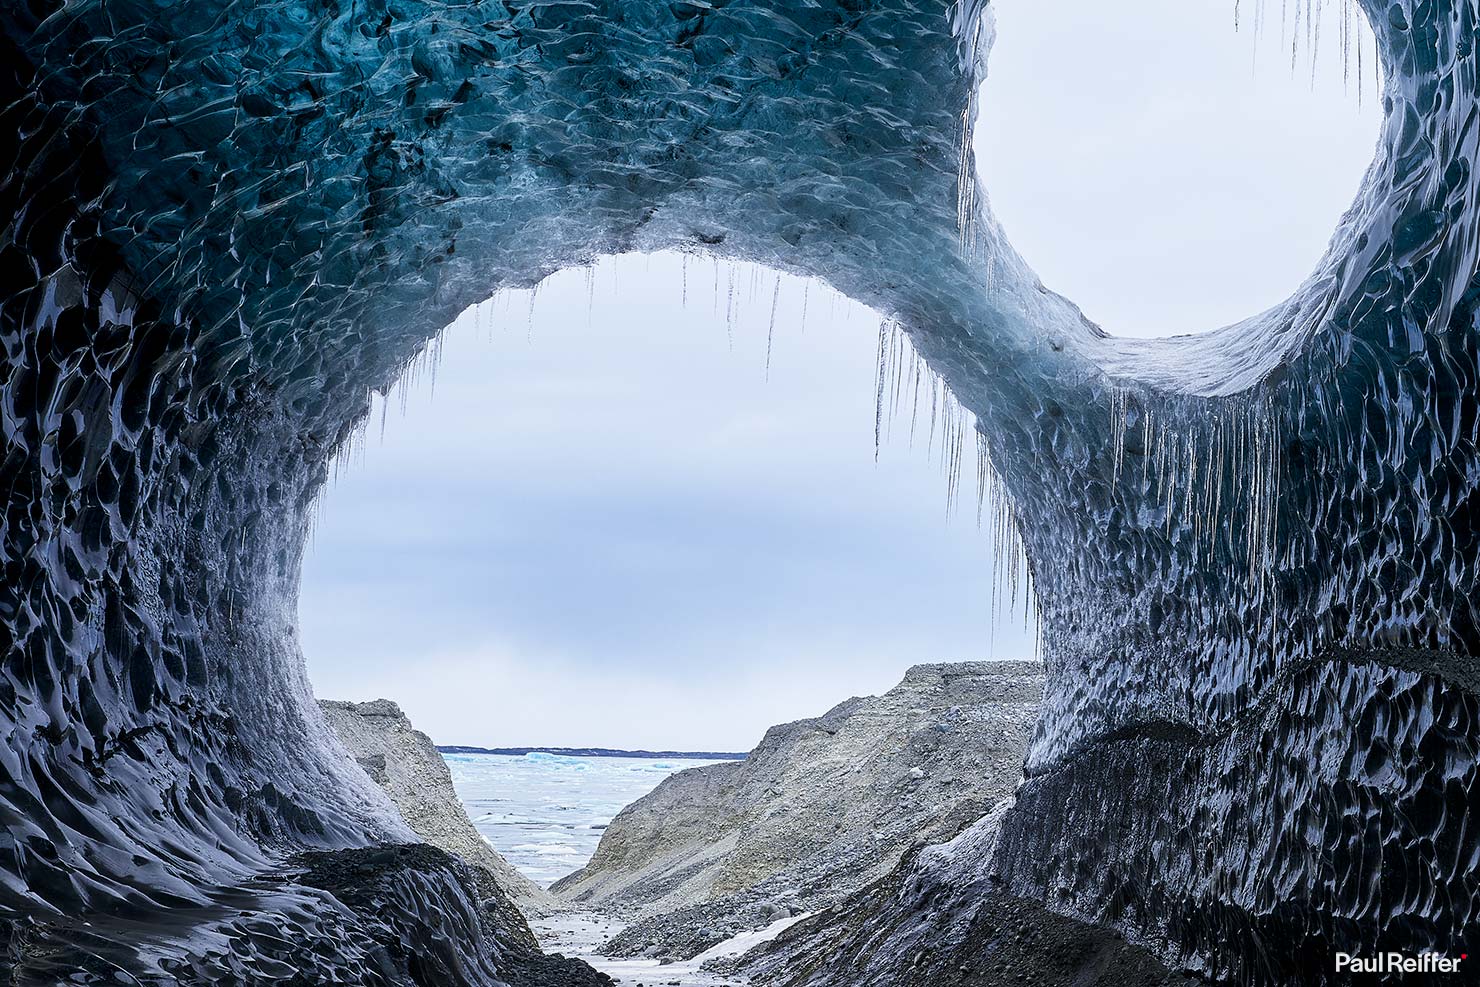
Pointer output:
x,y
229,222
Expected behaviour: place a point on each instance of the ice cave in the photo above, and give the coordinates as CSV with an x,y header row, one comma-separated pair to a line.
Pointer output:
x,y
230,223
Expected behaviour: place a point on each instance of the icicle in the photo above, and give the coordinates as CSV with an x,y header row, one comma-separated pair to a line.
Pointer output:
x,y
590,270
905,356
1346,44
730,307
915,398
981,474
1011,573
1118,413
1146,450
900,352
1314,22
953,481
1360,73
529,321
771,327
879,392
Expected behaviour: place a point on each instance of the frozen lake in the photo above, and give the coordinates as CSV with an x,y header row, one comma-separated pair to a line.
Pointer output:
x,y
545,812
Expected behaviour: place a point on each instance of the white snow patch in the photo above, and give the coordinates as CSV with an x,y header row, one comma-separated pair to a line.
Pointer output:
x,y
579,934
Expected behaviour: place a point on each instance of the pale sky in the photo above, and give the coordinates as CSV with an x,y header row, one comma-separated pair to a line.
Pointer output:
x,y
1166,172
607,524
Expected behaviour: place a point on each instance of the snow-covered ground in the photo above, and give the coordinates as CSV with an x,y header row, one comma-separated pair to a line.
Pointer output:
x,y
545,812
580,933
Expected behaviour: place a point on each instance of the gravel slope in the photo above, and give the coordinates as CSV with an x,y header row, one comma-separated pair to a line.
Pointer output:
x,y
821,808
404,761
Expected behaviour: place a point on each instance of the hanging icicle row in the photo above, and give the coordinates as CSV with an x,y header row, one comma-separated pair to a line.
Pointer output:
x,y
1300,33
1217,479
949,423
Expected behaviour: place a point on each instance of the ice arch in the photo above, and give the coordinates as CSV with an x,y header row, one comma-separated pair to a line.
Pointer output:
x,y
226,223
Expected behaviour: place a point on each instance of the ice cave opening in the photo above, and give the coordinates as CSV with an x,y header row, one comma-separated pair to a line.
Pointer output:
x,y
1203,181
1255,550
641,485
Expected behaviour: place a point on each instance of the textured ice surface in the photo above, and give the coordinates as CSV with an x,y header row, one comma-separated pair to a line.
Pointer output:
x,y
227,223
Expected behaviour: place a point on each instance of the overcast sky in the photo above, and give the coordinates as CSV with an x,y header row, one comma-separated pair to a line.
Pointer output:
x,y
607,524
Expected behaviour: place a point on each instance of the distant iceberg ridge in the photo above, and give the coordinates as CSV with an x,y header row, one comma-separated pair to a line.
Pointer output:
x,y
595,752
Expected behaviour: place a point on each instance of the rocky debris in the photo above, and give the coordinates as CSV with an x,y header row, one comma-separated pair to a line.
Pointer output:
x,y
821,808
403,761
687,932
383,884
581,934
1010,941
941,920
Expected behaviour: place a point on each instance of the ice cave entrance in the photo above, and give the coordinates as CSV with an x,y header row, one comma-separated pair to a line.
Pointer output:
x,y
1174,166
640,507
